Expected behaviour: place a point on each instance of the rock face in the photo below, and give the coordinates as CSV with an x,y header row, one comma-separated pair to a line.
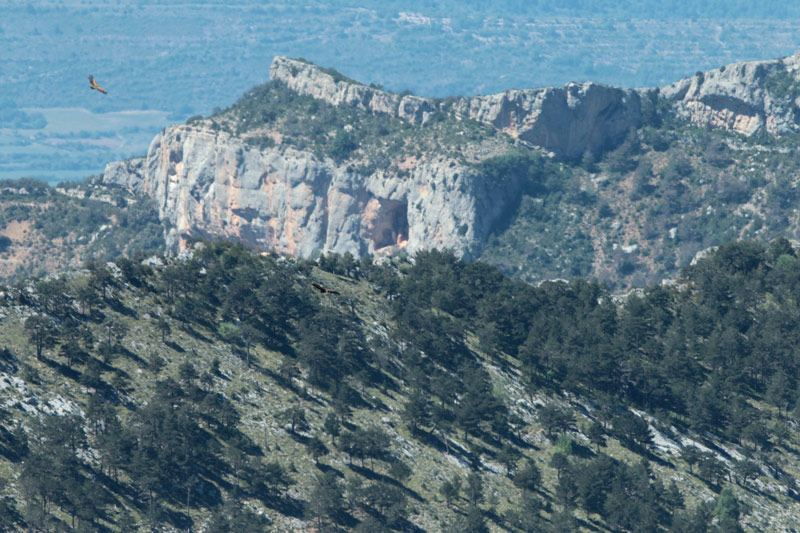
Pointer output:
x,y
211,184
746,97
567,120
325,84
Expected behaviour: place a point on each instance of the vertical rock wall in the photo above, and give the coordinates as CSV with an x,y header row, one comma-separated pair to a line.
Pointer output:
x,y
210,184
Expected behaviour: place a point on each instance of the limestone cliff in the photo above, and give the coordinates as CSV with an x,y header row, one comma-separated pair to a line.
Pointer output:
x,y
747,98
328,85
208,183
567,120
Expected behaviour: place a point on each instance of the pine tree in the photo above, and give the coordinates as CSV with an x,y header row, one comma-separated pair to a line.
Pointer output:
x,y
727,507
163,327
529,477
326,498
474,488
508,455
417,409
450,489
41,333
596,434
332,426
316,448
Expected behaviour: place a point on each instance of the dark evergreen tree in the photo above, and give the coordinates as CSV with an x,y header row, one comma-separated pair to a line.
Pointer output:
x,y
332,426
163,327
474,488
566,490
53,296
745,470
41,333
87,296
692,455
727,507
400,470
524,515
417,409
710,468
596,434
270,480
556,419
387,501
508,455
450,489
528,477
632,429
316,448
296,418
594,482
325,502
373,442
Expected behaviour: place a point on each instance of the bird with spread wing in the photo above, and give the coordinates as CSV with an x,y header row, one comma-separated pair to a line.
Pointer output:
x,y
93,85
323,290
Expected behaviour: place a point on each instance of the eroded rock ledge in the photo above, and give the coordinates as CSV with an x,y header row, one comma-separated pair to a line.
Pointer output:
x,y
748,98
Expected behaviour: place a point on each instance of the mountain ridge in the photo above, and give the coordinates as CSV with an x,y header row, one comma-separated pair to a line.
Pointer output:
x,y
533,116
356,169
730,97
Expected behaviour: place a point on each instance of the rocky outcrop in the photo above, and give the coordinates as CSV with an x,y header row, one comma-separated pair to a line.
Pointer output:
x,y
210,184
747,98
125,174
565,120
326,84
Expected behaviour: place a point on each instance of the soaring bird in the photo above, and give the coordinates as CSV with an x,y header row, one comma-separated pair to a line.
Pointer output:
x,y
93,85
323,290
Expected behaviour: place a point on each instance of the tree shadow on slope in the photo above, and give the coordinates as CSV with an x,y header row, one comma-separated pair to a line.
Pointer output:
x,y
438,443
174,345
64,370
119,307
377,476
11,447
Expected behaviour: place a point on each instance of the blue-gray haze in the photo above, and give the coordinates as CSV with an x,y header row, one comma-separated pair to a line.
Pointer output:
x,y
189,57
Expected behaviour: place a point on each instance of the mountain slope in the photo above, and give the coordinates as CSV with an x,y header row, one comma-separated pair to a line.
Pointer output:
x,y
218,391
45,230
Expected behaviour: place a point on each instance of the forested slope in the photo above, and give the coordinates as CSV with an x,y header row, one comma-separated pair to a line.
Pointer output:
x,y
45,229
218,391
